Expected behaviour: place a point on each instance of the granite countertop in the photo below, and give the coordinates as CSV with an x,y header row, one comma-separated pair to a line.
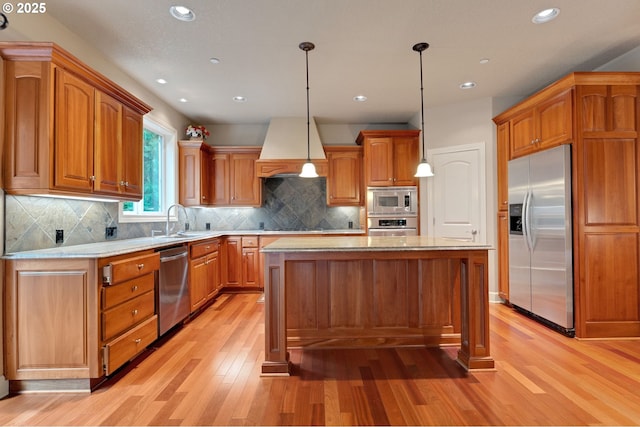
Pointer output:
x,y
368,243
124,246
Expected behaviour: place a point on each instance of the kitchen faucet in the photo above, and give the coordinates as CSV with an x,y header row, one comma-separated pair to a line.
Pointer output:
x,y
176,205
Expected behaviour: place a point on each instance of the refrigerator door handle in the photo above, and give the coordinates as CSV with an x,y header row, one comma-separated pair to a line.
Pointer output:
x,y
526,222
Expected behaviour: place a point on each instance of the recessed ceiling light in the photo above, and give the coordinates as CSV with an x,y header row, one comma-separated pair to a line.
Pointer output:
x,y
359,98
214,60
183,100
484,61
239,98
468,85
161,81
545,15
182,13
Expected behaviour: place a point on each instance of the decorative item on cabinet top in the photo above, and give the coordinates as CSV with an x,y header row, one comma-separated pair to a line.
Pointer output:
x,y
197,132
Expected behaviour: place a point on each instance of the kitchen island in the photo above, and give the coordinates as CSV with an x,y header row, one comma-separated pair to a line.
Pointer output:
x,y
359,292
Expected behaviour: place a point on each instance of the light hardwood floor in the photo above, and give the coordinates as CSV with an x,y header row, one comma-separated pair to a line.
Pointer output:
x,y
209,374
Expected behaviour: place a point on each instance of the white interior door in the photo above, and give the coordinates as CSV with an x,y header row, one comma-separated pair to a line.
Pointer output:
x,y
457,193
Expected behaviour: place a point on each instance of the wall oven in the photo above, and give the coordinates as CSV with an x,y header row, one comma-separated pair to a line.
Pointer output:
x,y
392,226
387,201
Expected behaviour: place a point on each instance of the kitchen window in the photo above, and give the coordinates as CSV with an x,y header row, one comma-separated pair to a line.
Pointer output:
x,y
159,172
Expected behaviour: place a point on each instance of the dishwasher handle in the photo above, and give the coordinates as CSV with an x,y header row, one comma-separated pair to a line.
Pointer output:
x,y
174,257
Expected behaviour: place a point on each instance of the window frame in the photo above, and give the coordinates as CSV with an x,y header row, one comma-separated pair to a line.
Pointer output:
x,y
169,171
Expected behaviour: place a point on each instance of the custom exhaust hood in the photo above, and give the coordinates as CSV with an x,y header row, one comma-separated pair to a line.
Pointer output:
x,y
285,148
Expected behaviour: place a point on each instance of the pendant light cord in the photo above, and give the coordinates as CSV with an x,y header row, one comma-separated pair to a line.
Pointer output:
x,y
306,52
422,108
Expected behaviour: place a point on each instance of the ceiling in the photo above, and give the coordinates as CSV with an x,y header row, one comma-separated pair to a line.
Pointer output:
x,y
363,47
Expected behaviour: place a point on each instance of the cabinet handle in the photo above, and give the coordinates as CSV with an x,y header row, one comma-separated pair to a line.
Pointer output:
x,y
207,247
140,266
134,312
92,178
134,288
137,341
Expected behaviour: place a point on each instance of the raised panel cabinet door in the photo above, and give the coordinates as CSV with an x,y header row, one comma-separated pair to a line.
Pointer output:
x,y
344,183
245,185
554,120
220,176
213,274
108,144
132,161
522,130
74,127
198,282
378,154
405,160
250,266
233,255
503,161
26,134
189,173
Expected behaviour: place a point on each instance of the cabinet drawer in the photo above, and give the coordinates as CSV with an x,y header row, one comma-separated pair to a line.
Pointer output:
x,y
124,348
127,314
114,295
249,241
130,268
204,248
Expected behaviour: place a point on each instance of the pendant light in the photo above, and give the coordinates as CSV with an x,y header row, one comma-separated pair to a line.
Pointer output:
x,y
308,169
424,168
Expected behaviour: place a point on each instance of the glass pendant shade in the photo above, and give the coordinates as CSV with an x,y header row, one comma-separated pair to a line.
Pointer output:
x,y
308,171
424,170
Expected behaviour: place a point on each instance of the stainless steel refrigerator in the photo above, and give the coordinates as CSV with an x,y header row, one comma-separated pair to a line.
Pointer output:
x,y
540,238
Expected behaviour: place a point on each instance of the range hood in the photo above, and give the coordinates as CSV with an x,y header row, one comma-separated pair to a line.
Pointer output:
x,y
285,148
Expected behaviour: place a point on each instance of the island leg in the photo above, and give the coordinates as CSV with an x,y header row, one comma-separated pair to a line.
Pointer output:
x,y
474,299
276,356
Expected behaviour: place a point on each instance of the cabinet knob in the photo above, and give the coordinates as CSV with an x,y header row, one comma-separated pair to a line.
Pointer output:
x,y
134,288
140,266
134,312
137,341
92,178
121,183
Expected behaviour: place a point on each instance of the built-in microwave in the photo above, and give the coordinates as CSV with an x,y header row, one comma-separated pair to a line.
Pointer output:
x,y
392,201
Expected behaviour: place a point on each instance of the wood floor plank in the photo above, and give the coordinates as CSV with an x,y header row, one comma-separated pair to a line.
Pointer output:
x,y
208,373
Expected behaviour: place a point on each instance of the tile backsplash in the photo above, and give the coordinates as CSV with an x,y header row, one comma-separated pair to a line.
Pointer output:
x,y
289,203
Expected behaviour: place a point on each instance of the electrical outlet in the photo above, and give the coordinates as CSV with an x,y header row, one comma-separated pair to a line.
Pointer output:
x,y
207,226
186,226
59,236
110,232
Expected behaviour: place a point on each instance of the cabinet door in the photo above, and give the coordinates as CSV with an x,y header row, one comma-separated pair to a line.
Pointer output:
x,y
132,160
503,255
405,160
245,185
250,267
503,161
522,130
213,274
108,144
198,282
554,124
73,145
379,161
344,183
220,177
233,255
189,169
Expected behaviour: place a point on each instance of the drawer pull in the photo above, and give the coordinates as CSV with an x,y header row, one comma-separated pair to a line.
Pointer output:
x,y
134,288
137,340
134,312
140,266
207,247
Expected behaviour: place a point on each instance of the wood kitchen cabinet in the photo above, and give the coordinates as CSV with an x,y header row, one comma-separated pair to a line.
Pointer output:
x,y
196,169
344,182
235,182
503,255
602,127
71,321
545,125
204,272
390,157
68,129
242,261
502,136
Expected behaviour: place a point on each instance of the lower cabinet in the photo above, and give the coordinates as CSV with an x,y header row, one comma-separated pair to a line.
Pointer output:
x,y
503,255
242,261
108,318
204,272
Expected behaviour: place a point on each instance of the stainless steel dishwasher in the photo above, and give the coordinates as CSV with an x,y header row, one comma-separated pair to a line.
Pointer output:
x,y
173,288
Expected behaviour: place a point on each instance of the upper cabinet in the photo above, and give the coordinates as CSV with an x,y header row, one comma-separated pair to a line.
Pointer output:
x,y
69,130
344,182
218,176
390,157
